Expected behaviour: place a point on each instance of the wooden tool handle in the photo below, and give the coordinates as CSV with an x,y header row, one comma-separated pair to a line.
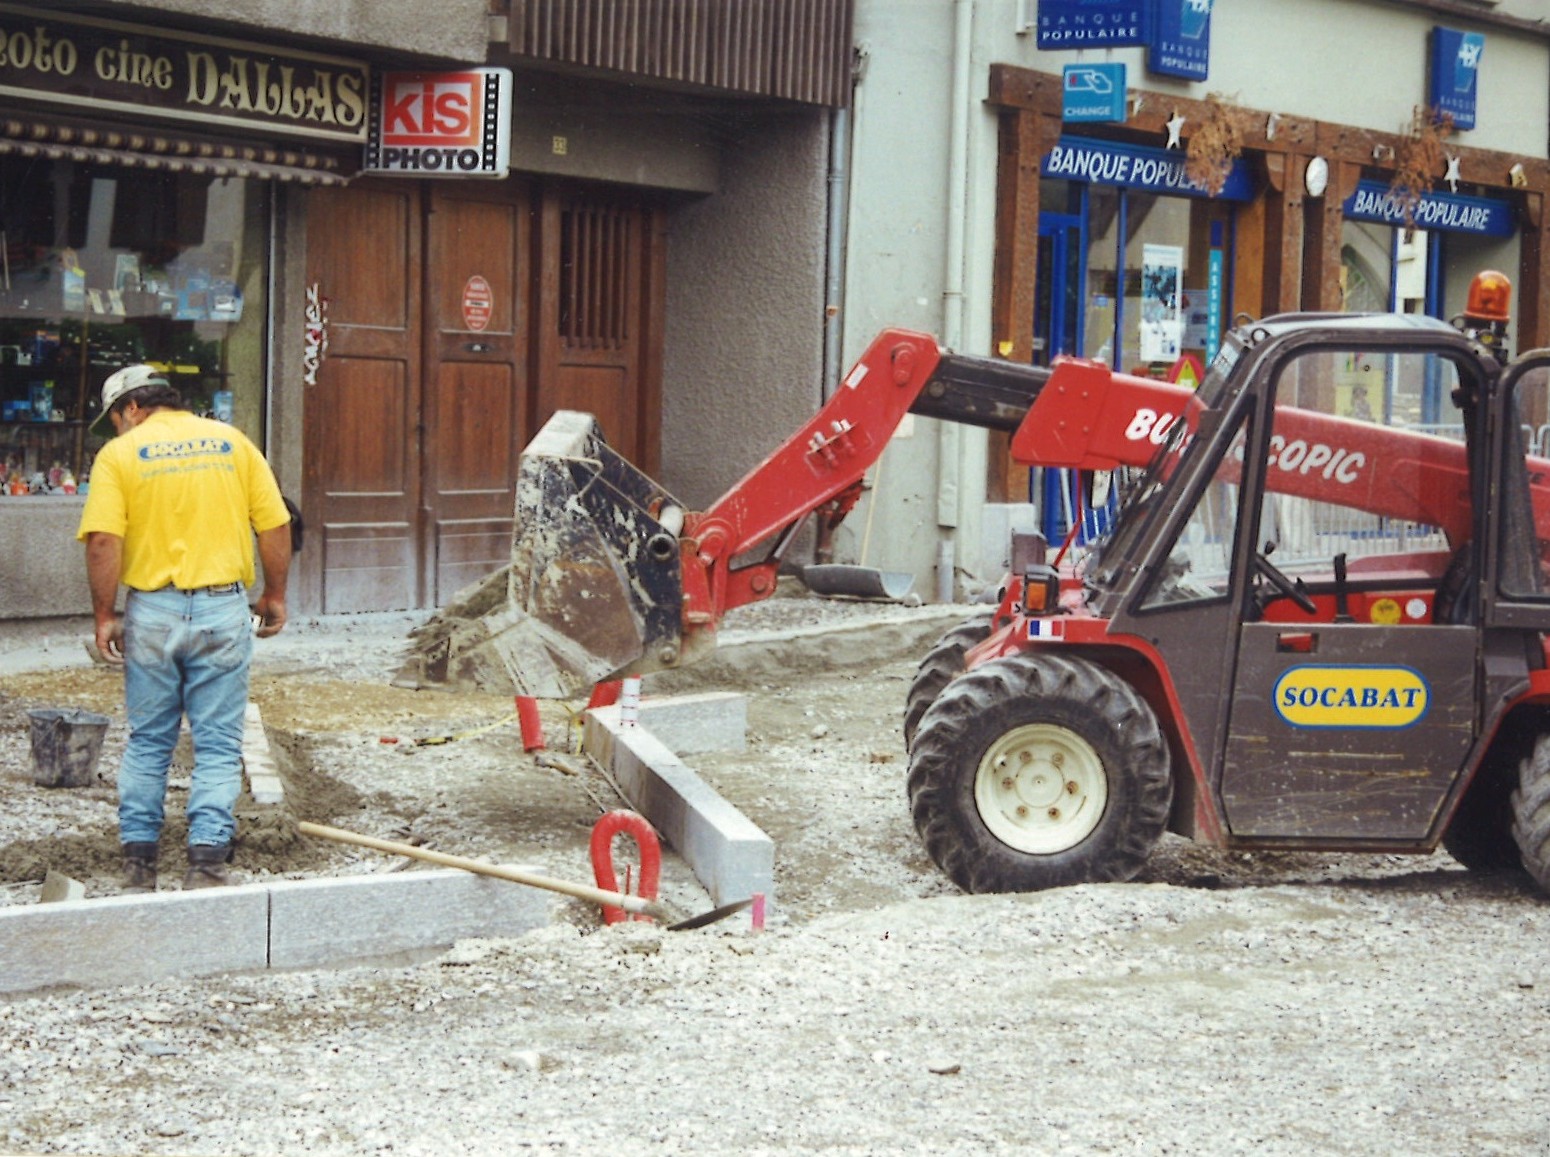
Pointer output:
x,y
638,904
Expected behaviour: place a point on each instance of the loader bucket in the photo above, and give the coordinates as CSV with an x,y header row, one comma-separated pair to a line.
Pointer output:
x,y
594,588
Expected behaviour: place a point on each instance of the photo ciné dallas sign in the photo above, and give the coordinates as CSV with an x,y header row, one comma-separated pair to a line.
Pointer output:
x,y
110,66
441,124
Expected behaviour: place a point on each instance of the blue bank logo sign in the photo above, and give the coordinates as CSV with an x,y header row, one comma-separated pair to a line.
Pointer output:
x,y
1093,92
1455,74
1453,212
1179,43
1137,167
1351,696
1091,23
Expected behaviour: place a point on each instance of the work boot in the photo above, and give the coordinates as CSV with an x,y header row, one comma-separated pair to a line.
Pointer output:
x,y
207,866
139,868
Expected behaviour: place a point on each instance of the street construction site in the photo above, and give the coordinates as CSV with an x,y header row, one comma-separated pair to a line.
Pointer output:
x,y
1157,846
1204,1007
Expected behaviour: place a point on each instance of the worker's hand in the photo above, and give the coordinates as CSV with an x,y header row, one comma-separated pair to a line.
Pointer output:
x,y
110,639
270,610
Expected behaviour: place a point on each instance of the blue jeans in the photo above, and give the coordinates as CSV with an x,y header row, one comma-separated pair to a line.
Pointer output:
x,y
185,653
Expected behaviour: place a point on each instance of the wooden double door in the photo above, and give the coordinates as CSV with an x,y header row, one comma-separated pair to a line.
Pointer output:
x,y
458,317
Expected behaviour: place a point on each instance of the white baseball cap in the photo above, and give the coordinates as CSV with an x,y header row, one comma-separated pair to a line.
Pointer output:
x,y
119,383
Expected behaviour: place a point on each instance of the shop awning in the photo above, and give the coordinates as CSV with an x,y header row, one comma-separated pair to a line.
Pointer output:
x,y
168,152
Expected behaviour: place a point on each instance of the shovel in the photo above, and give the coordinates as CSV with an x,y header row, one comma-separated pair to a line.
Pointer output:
x,y
856,581
859,581
634,904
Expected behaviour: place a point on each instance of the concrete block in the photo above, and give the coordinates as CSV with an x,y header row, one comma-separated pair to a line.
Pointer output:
x,y
264,782
122,940
46,579
266,790
58,887
690,724
320,922
727,852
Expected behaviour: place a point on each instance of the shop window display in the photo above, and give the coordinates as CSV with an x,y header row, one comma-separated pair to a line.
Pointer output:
x,y
1147,275
102,267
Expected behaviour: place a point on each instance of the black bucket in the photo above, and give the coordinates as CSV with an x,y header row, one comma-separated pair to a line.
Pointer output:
x,y
66,743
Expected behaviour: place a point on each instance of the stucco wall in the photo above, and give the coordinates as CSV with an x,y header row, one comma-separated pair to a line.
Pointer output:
x,y
744,319
931,486
1332,60
593,132
456,30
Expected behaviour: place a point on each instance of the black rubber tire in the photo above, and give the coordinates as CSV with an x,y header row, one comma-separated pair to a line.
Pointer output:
x,y
1480,834
1078,697
1531,813
942,664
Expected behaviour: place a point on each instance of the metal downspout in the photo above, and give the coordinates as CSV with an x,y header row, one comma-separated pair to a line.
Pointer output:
x,y
836,236
949,434
836,231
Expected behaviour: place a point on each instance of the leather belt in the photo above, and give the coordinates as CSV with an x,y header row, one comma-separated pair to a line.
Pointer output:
x,y
218,589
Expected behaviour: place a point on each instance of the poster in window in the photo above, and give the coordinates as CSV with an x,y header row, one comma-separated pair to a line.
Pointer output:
x,y
1196,313
1162,323
126,272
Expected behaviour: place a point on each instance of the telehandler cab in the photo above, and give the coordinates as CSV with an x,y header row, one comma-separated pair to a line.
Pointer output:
x,y
1318,622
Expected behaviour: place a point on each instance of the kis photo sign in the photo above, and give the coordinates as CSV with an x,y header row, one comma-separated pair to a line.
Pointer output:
x,y
441,124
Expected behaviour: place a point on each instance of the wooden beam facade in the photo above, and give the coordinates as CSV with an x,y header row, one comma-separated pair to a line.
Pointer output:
x,y
1288,251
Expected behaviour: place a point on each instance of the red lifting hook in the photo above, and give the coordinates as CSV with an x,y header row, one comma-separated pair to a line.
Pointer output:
x,y
635,826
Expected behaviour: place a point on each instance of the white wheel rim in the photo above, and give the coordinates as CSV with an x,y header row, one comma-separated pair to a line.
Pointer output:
x,y
1041,789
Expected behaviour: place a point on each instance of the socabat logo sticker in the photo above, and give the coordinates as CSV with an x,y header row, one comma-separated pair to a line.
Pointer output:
x,y
441,124
1353,696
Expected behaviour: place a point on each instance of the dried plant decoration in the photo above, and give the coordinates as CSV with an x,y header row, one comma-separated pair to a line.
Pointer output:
x,y
1216,143
1420,159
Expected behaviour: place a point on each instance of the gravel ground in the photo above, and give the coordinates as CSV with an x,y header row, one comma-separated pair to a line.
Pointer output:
x,y
1220,1004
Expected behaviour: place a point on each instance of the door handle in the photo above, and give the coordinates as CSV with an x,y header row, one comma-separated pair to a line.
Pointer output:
x,y
1297,642
479,347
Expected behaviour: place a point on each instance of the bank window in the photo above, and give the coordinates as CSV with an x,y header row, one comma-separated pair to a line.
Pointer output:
x,y
1149,289
103,267
1386,268
1150,260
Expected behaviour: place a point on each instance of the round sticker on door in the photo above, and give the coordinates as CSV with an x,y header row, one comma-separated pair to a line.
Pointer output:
x,y
1385,612
478,303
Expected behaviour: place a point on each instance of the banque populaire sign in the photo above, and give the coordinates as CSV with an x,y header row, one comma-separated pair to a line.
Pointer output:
x,y
111,65
1137,167
1450,212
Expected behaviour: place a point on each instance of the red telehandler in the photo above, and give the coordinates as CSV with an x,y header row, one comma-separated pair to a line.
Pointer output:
x,y
1317,623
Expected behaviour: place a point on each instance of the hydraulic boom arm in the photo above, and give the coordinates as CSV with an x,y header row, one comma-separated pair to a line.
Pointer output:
x,y
611,575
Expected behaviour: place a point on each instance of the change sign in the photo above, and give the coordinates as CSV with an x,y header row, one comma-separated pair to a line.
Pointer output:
x,y
1093,92
441,124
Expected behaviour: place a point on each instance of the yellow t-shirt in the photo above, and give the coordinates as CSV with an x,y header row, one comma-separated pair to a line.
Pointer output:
x,y
185,494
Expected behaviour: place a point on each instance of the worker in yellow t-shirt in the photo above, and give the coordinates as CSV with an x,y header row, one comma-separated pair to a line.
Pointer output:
x,y
174,504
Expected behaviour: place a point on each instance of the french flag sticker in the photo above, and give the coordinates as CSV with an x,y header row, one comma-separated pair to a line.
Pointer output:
x,y
1045,628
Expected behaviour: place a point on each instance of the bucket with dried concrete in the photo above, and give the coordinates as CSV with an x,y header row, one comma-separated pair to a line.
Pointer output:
x,y
66,744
